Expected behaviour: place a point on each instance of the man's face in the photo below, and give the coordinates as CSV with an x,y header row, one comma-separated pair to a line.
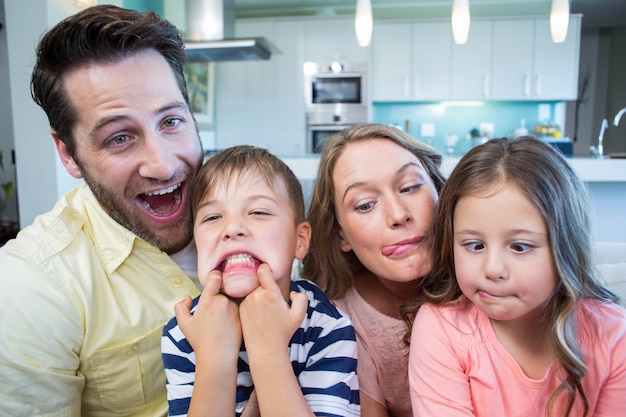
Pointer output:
x,y
136,146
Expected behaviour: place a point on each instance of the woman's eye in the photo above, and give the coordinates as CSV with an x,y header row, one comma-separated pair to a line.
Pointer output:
x,y
364,207
410,188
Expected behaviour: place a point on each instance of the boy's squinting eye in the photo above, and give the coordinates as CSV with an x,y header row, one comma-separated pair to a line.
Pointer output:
x,y
210,217
260,213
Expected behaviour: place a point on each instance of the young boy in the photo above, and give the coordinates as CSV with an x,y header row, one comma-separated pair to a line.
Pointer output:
x,y
254,331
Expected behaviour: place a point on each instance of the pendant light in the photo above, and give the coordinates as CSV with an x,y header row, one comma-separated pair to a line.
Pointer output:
x,y
559,20
363,23
460,21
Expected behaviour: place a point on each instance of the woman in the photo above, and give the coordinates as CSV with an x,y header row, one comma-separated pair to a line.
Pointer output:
x,y
370,213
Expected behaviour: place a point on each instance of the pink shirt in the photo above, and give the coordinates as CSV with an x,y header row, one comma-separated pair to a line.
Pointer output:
x,y
458,367
383,357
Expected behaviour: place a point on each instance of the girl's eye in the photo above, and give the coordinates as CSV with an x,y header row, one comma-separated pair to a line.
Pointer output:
x,y
259,213
520,247
474,246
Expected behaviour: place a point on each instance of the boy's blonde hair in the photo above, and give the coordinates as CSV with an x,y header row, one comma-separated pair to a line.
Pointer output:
x,y
237,160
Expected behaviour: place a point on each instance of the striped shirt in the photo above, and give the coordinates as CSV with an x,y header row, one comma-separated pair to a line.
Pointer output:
x,y
323,355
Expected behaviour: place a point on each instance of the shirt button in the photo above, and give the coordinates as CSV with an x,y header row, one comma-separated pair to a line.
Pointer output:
x,y
134,348
178,281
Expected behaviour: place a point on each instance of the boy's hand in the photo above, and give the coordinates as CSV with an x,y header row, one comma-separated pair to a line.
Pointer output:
x,y
214,327
267,321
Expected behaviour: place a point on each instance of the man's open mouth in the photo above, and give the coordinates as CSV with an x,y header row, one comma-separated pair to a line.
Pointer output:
x,y
162,203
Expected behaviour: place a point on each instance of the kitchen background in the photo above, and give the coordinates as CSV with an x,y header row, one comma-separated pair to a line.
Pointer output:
x,y
262,102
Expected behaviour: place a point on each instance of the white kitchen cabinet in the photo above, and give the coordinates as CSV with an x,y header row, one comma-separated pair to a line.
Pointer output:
x,y
328,40
261,103
527,65
471,64
411,61
556,64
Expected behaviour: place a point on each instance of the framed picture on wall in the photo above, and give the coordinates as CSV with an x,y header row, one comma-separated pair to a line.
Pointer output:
x,y
200,77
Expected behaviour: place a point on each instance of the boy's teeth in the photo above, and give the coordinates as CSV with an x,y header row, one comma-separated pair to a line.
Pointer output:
x,y
240,259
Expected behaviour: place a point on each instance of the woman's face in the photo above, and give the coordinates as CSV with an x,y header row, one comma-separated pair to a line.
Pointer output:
x,y
384,200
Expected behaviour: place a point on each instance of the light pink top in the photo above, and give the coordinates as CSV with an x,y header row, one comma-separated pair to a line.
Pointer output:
x,y
458,367
382,355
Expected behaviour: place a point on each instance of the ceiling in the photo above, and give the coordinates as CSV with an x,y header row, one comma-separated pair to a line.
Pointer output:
x,y
596,13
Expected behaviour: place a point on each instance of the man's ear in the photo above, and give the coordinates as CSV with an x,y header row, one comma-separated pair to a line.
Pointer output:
x,y
304,239
67,160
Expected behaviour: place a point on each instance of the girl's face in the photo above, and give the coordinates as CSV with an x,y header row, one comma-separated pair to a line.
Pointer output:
x,y
502,254
384,200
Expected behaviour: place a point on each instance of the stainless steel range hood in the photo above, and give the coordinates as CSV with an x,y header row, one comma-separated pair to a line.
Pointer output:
x,y
210,34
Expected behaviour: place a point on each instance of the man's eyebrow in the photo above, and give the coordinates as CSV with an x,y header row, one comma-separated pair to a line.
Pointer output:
x,y
167,106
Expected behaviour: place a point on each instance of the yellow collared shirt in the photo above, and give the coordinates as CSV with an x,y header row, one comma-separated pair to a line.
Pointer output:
x,y
83,306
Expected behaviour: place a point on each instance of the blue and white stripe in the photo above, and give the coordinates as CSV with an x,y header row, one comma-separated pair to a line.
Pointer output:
x,y
323,355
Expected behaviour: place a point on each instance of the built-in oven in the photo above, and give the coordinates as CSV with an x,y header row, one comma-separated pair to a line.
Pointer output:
x,y
336,98
335,83
317,134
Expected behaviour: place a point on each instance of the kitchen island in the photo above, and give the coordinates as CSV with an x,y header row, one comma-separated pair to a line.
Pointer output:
x,y
605,179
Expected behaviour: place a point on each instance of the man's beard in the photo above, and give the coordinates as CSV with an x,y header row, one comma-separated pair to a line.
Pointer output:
x,y
172,237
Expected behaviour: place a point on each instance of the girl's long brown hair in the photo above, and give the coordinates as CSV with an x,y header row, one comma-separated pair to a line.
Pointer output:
x,y
551,184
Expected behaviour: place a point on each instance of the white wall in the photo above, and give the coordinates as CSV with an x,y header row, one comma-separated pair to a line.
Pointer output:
x,y
41,178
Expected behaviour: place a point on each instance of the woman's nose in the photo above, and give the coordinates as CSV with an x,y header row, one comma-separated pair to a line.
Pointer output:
x,y
398,212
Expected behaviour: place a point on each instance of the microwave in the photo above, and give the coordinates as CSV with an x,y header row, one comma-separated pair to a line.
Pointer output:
x,y
335,84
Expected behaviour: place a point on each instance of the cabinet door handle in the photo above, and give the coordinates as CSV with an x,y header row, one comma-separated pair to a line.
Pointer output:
x,y
405,86
486,86
538,85
526,86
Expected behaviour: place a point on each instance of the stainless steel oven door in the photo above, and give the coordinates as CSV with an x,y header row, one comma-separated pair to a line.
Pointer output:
x,y
317,134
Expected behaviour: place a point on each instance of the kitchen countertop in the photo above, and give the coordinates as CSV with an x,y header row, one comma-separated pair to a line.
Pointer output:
x,y
588,169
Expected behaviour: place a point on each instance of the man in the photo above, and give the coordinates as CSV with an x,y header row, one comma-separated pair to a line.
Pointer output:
x,y
87,288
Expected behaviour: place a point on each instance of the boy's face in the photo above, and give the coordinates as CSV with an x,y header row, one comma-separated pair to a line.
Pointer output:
x,y
242,223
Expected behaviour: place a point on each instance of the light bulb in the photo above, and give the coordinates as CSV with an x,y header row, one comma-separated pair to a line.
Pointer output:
x,y
559,20
460,21
363,22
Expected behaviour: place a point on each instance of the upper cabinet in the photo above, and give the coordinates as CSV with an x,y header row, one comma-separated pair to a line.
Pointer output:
x,y
504,59
527,65
471,64
327,40
411,61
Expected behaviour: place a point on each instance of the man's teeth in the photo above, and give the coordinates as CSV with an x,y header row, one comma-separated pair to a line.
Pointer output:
x,y
165,190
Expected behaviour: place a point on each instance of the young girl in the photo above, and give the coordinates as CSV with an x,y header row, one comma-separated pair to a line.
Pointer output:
x,y
512,321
